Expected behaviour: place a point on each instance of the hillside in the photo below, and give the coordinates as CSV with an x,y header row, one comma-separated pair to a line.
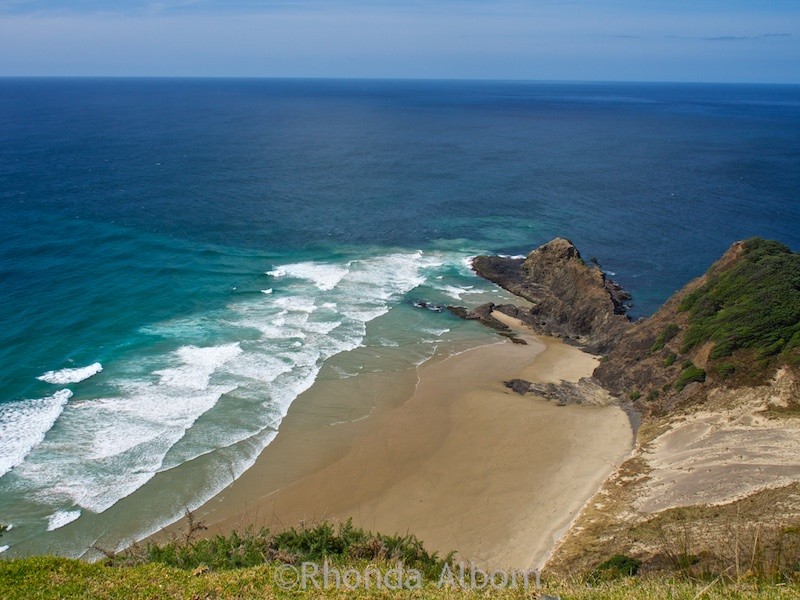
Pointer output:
x,y
732,327
714,376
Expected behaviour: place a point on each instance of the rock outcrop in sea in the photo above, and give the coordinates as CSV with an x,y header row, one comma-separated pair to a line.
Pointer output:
x,y
569,298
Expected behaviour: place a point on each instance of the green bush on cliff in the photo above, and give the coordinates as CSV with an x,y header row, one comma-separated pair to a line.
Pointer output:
x,y
725,369
755,304
616,567
689,375
670,331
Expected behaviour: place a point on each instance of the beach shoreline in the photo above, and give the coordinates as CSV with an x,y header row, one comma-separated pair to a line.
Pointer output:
x,y
449,454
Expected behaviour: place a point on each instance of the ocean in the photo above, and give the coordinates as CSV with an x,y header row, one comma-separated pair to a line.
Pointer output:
x,y
181,259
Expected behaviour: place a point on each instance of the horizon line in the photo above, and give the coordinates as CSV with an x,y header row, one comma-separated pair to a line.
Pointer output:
x,y
402,79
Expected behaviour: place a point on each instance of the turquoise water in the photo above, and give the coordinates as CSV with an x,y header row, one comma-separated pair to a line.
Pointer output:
x,y
181,259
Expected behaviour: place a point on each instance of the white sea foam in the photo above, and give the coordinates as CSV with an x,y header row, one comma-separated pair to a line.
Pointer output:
x,y
197,365
24,424
324,276
112,446
456,292
323,327
267,291
61,518
3,549
65,376
436,332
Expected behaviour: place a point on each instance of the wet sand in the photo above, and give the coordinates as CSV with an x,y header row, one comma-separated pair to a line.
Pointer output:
x,y
446,452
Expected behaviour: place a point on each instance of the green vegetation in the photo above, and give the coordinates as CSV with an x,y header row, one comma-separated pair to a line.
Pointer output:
x,y
616,567
670,359
670,331
725,369
755,304
293,546
635,395
690,374
653,395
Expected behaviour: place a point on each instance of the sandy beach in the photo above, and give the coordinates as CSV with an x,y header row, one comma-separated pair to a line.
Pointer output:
x,y
446,452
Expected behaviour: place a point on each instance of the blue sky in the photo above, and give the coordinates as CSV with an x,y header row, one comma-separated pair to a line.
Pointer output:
x,y
630,40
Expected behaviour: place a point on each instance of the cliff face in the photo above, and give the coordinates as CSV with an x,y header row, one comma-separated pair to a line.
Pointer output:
x,y
570,298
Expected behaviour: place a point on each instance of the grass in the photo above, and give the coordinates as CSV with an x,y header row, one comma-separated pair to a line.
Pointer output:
x,y
755,304
45,578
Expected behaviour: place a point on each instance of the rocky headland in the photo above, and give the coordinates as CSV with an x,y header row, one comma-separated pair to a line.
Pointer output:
x,y
570,298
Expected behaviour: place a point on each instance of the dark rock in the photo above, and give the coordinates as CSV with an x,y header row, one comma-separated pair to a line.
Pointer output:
x,y
513,337
428,305
585,391
458,311
520,386
483,313
570,298
508,309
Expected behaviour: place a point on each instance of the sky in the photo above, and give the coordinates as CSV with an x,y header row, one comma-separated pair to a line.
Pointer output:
x,y
748,41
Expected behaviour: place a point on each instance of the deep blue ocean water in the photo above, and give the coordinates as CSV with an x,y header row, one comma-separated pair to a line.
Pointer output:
x,y
211,244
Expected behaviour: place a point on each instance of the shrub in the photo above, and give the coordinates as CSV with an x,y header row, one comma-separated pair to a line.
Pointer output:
x,y
725,369
635,395
295,546
670,359
616,567
690,374
653,395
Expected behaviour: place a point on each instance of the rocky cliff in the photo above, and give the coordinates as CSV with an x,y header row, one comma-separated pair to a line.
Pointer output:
x,y
571,299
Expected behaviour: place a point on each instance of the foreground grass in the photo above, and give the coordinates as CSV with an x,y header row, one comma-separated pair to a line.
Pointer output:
x,y
57,578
